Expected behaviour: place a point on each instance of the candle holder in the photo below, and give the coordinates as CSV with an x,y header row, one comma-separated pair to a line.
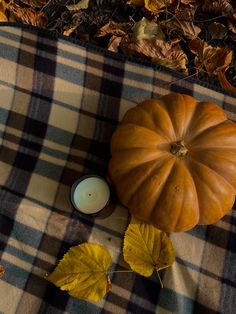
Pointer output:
x,y
91,196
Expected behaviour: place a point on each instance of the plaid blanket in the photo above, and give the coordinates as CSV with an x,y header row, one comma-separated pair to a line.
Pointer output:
x,y
60,102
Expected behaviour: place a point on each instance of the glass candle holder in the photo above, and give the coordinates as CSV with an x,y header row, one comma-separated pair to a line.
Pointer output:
x,y
91,195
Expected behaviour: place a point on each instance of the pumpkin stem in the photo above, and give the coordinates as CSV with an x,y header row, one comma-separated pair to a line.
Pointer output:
x,y
179,149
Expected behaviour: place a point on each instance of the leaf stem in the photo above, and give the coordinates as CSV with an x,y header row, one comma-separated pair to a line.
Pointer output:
x,y
158,275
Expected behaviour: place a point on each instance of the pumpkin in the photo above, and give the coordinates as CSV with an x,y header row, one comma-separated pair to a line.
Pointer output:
x,y
173,162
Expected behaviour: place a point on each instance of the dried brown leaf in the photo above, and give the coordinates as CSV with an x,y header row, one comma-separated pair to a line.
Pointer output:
x,y
177,62
232,26
2,270
213,59
35,3
183,24
114,43
225,83
138,3
83,36
114,29
218,7
69,31
217,30
165,53
183,4
27,15
188,2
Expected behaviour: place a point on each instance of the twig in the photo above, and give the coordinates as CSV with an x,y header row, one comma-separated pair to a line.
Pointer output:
x,y
180,79
208,20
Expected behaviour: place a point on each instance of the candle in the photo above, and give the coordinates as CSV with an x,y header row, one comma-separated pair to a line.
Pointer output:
x,y
90,194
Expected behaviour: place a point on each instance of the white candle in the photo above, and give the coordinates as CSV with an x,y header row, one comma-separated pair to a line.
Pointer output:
x,y
90,195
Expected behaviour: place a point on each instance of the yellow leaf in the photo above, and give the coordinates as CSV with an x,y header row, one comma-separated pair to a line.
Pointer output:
x,y
3,6
3,17
82,4
83,272
147,248
156,6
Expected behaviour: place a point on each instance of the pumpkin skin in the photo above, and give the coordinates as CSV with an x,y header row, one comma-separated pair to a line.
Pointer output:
x,y
174,162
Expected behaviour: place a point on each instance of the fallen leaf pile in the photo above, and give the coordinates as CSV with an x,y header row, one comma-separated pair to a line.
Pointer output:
x,y
195,37
84,270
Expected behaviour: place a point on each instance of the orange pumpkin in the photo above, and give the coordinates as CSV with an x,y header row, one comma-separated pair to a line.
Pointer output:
x,y
174,162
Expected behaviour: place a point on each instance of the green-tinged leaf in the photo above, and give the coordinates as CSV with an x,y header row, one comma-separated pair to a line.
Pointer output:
x,y
145,29
147,248
83,272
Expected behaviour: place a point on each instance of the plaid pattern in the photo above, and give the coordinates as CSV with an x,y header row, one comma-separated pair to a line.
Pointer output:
x,y
60,103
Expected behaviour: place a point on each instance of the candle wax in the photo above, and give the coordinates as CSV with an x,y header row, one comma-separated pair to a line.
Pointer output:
x,y
91,195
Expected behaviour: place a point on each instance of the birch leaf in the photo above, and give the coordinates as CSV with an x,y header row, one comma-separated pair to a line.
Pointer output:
x,y
83,272
147,248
